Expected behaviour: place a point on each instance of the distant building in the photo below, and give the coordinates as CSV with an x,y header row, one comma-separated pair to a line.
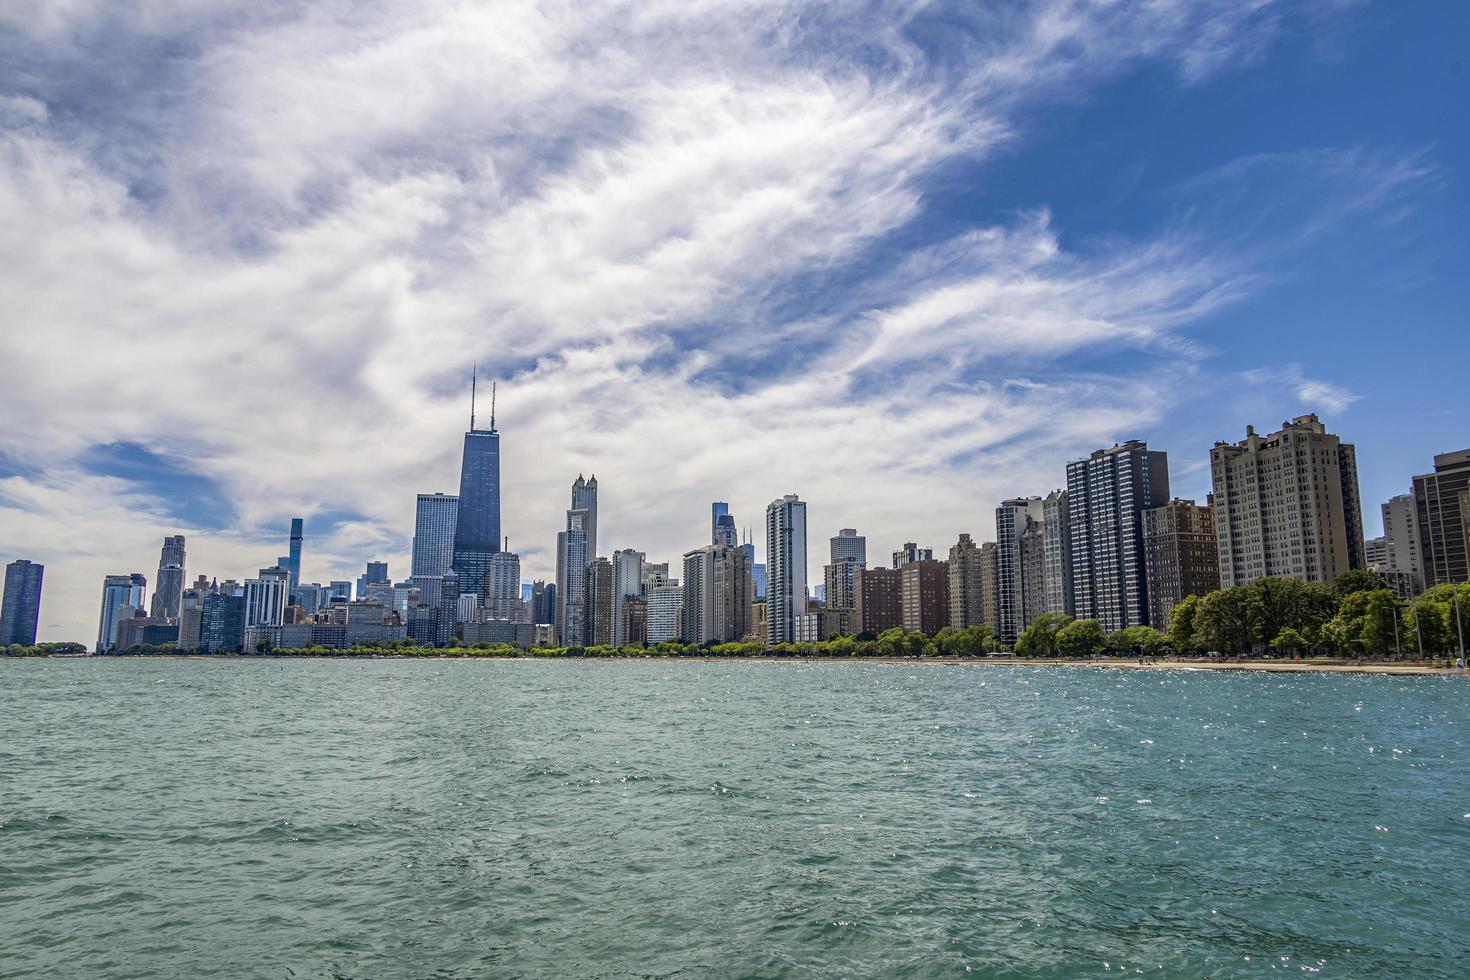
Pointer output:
x,y
1033,572
1286,504
222,628
1181,556
1401,540
786,560
500,631
911,552
572,554
265,597
760,578
1012,519
1107,494
989,587
435,517
294,557
1057,564
877,600
543,602
848,544
719,517
477,518
839,581
1442,513
924,595
584,498
632,625
376,574
717,595
665,612
966,601
627,566
601,604
169,587
191,618
20,609
118,592
502,599
1375,553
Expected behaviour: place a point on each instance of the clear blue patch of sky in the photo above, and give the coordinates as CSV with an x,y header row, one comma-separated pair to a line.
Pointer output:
x,y
190,497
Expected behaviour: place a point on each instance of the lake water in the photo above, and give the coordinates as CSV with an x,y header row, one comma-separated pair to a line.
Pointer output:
x,y
297,818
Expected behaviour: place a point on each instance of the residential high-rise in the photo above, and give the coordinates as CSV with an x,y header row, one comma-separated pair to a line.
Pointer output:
x,y
1442,514
1287,505
265,597
502,598
1401,539
572,555
911,552
627,566
786,566
1012,518
924,595
584,498
632,624
1375,553
877,600
294,556
966,600
839,581
1107,494
717,595
665,612
169,587
850,544
477,520
20,608
118,592
1033,572
1056,572
989,589
434,521
1181,556
653,575
601,605
222,623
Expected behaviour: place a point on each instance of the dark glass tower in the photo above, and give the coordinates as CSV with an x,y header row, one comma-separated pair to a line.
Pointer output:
x,y
20,609
294,569
477,524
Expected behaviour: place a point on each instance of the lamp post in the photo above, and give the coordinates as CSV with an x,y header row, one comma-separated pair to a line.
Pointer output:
x,y
1397,644
1417,634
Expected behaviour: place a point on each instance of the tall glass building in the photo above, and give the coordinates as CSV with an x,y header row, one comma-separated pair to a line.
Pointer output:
x,y
435,517
20,609
477,522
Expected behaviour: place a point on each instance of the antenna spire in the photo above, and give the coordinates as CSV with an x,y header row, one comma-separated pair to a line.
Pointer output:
x,y
492,406
474,372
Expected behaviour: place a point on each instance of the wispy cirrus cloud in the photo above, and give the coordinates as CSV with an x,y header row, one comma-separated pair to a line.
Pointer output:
x,y
263,241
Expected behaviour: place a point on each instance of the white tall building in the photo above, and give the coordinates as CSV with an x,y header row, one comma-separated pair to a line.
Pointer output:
x,y
1056,538
785,568
265,597
665,608
572,555
433,533
118,591
627,566
503,587
1012,518
1401,538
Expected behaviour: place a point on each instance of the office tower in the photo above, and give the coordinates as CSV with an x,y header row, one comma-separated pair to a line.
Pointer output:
x,y
435,515
665,613
911,552
1442,515
786,564
717,596
584,498
1286,504
653,575
1057,561
20,608
118,592
989,587
717,511
191,617
265,597
503,587
477,520
966,601
294,568
839,583
1107,494
543,602
309,596
222,623
877,602
850,544
376,574
571,581
338,590
1012,519
169,586
924,595
627,566
725,534
1401,539
1375,553
1181,556
600,603
760,577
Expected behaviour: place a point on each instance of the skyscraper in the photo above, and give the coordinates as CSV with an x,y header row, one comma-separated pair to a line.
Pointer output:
x,y
1286,504
877,600
665,612
502,600
1107,494
571,580
118,592
1012,519
850,544
1401,539
294,556
1181,556
265,597
966,601
911,552
477,521
169,587
434,519
1442,513
627,566
1056,536
786,568
718,510
20,608
601,605
924,595
717,595
584,498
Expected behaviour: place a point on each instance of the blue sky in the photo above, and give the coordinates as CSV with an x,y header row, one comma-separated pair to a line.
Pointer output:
x,y
903,258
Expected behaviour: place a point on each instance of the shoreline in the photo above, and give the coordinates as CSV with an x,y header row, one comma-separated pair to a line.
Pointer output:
x,y
1403,669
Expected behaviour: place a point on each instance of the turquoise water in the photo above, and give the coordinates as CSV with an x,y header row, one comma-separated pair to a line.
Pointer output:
x,y
456,819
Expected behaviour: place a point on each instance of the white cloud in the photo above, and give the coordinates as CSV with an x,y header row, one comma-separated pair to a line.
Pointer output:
x,y
1312,393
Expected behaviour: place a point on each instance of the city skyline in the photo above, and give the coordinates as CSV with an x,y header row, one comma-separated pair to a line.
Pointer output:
x,y
898,281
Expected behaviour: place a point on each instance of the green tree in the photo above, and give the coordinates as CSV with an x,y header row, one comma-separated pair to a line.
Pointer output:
x,y
1040,638
1277,603
1081,638
1288,642
1370,623
1358,580
1182,626
1222,622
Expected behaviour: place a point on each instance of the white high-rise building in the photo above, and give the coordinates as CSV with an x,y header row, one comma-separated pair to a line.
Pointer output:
x,y
850,544
1012,518
433,533
1056,535
118,591
627,570
785,568
503,587
1401,538
665,609
572,555
265,597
